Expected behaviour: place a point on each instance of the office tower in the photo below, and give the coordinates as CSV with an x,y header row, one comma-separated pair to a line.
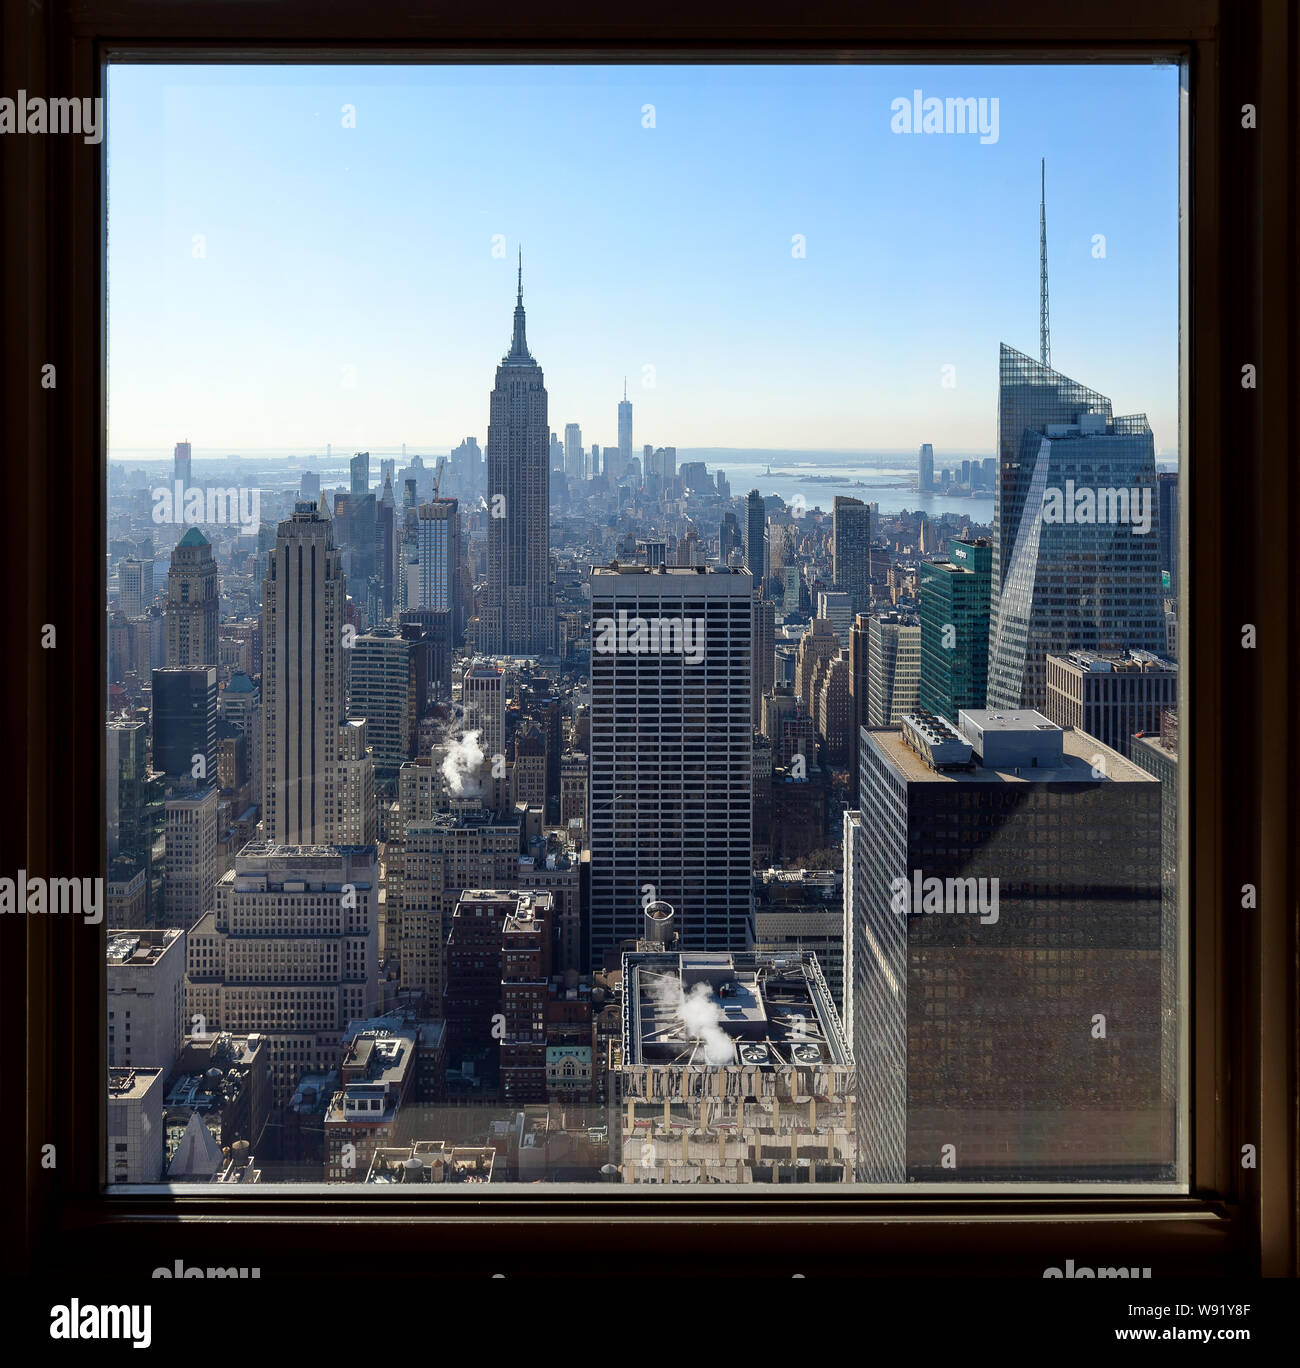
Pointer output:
x,y
965,473
573,796
193,599
191,854
734,1068
851,860
518,612
1157,754
788,726
1167,521
303,683
181,464
755,537
831,706
126,792
130,586
666,460
955,628
309,487
802,910
1112,695
146,997
483,698
671,751
853,524
859,690
925,481
355,820
382,689
240,704
893,667
836,606
289,951
1077,571
573,466
817,642
472,995
624,431
595,461
556,449
441,554
977,1034
354,532
184,712
387,549
764,653
524,974
137,1142
1084,572
433,631
436,855
360,470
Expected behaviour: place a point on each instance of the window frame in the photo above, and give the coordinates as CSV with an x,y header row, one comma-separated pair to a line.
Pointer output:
x,y
1238,821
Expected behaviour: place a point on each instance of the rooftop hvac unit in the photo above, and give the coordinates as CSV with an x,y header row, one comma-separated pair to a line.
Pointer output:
x,y
753,1054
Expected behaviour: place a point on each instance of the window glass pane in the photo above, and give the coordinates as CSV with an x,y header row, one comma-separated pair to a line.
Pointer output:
x,y
636,652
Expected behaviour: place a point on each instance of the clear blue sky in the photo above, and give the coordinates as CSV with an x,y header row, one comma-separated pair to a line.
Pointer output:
x,y
371,248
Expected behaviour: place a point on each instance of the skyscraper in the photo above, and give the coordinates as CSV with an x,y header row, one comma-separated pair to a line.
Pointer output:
x,y
624,431
955,628
925,467
190,855
1075,550
755,531
440,556
671,752
1167,513
573,463
290,950
303,600
382,688
764,652
976,1030
360,471
193,598
130,585
853,527
483,697
181,464
518,612
893,667
184,709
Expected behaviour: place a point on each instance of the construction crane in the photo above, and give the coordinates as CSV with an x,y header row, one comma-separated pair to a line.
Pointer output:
x,y
437,479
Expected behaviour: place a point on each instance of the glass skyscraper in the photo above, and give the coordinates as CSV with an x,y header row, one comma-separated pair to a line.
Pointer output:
x,y
1075,553
955,628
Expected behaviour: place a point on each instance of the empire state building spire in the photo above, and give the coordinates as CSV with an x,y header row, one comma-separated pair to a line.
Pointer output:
x,y
519,353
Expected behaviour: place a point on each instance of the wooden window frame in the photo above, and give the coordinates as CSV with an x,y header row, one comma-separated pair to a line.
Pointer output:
x,y
1239,307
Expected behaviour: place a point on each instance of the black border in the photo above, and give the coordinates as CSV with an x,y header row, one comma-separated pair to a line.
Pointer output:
x,y
1241,536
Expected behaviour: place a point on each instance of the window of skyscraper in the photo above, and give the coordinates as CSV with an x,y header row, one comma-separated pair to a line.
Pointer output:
x,y
646,624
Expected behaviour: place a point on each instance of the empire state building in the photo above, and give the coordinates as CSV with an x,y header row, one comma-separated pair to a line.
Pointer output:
x,y
518,612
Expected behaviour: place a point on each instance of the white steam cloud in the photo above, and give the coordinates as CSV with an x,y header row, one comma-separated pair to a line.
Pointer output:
x,y
460,766
699,1013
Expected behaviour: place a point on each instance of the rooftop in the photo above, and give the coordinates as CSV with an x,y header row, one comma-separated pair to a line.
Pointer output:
x,y
721,1010
1078,752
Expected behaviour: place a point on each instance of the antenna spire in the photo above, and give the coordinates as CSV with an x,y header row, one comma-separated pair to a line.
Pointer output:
x,y
1044,326
518,346
625,389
